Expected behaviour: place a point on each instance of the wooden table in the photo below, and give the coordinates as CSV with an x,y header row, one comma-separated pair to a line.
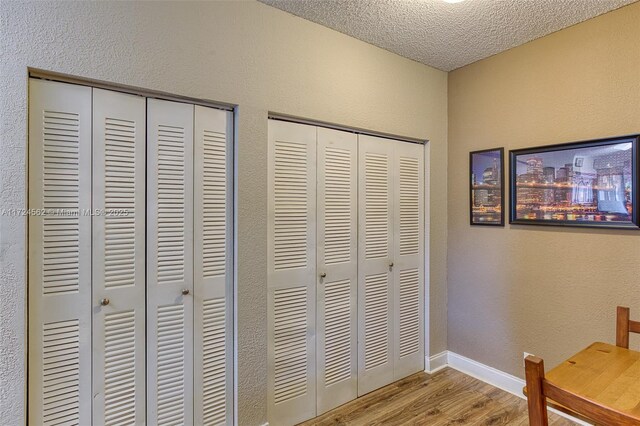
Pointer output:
x,y
605,374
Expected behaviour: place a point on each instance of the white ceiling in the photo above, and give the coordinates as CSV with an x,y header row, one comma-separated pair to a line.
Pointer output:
x,y
443,35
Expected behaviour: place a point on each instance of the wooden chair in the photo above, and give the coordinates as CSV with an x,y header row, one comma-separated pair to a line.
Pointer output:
x,y
538,389
624,326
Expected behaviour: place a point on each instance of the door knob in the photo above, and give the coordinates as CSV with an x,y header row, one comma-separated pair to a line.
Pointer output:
x,y
104,302
323,275
390,264
185,291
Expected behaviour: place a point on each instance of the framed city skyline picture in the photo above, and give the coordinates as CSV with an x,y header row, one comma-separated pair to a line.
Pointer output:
x,y
591,183
486,169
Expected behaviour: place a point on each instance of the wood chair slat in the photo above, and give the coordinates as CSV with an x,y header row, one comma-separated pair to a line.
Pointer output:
x,y
593,410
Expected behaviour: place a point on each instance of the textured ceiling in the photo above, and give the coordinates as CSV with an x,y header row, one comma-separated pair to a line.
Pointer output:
x,y
443,35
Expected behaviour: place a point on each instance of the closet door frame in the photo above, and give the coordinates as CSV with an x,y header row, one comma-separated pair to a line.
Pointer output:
x,y
36,313
391,266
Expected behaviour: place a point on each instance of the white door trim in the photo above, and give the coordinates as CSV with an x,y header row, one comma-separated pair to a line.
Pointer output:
x,y
427,251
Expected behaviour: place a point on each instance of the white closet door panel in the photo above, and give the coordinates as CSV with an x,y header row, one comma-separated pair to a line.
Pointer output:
x,y
118,258
169,262
59,253
375,254
291,263
408,270
337,320
213,234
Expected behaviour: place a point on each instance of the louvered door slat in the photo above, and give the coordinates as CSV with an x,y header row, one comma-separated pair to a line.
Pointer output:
x,y
336,327
291,279
59,253
169,262
408,271
213,378
375,253
119,123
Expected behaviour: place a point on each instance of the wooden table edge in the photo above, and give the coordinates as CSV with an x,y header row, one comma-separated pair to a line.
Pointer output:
x,y
562,408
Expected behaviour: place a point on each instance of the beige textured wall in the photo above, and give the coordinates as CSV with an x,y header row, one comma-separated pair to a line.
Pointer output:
x,y
546,290
244,53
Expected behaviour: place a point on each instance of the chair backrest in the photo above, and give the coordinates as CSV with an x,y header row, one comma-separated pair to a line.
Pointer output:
x,y
624,326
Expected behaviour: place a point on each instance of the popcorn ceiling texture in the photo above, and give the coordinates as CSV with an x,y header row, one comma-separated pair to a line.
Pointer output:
x,y
442,35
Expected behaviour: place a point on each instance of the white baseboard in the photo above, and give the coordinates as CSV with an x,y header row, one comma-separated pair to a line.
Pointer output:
x,y
436,362
487,374
490,375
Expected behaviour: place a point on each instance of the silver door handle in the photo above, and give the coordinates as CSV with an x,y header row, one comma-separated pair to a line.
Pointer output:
x,y
185,291
323,275
105,302
390,264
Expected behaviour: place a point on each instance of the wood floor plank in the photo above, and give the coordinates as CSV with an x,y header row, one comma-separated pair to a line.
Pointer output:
x,y
446,398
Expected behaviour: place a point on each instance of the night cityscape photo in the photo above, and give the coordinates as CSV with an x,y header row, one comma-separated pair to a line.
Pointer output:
x,y
582,185
486,187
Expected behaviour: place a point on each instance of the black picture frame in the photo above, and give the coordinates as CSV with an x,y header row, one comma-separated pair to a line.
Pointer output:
x,y
590,183
485,209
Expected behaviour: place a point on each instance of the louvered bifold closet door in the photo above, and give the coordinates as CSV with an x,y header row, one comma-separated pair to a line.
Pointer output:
x,y
291,279
408,270
169,263
375,253
337,268
59,254
213,350
118,258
